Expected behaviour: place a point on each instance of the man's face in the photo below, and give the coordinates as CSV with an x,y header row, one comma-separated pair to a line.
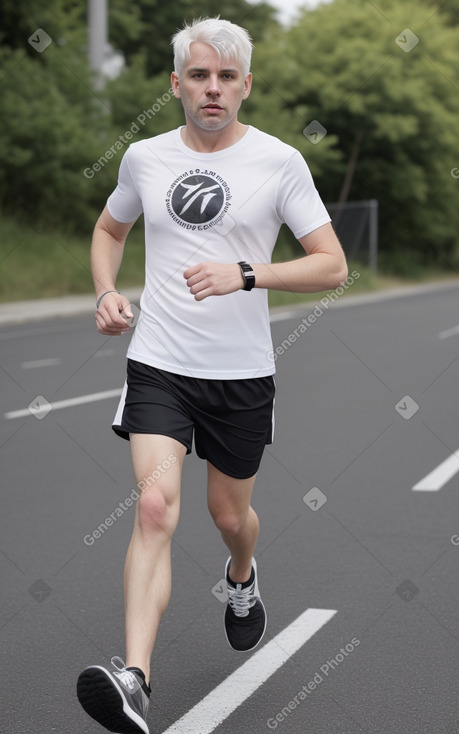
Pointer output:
x,y
211,89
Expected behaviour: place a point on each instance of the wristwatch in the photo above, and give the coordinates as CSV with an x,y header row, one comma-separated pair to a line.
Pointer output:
x,y
248,275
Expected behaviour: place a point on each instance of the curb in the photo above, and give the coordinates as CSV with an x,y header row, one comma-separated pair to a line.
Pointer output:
x,y
20,312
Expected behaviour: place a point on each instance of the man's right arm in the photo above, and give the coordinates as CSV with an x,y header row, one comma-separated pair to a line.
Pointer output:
x,y
106,255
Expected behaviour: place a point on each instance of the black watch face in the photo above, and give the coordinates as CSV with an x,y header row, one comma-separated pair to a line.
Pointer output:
x,y
249,275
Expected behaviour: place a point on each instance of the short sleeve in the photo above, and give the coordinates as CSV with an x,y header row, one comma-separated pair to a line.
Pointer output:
x,y
298,202
125,204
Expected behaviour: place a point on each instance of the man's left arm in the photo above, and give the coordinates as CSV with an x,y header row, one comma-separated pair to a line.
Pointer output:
x,y
322,268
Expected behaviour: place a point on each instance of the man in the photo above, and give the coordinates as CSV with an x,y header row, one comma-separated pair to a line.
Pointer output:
x,y
214,194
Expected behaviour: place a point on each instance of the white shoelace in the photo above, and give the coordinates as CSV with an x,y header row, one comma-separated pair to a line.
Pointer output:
x,y
241,600
126,677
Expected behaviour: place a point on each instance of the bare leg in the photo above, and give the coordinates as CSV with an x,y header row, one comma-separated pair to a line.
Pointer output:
x,y
229,504
157,462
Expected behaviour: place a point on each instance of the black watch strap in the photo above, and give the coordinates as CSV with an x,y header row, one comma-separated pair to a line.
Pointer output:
x,y
248,275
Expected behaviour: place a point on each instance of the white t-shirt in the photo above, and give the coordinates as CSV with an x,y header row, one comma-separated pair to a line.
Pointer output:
x,y
210,207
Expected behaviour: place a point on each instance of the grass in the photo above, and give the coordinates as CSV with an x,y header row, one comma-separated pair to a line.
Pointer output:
x,y
366,280
42,264
36,263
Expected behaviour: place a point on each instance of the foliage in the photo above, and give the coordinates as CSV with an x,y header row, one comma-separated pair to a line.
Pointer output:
x,y
150,24
53,117
18,20
65,268
43,263
343,68
393,113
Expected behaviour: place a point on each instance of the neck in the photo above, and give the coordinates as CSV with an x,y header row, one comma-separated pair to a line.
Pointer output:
x,y
210,141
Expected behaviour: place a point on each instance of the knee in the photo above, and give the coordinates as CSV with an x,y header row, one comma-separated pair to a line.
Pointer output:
x,y
155,512
229,523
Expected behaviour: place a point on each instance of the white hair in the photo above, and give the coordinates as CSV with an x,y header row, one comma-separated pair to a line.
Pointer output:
x,y
229,40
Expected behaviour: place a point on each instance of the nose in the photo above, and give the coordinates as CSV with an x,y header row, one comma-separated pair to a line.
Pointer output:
x,y
213,87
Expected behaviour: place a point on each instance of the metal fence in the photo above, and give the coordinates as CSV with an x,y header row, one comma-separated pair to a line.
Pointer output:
x,y
356,225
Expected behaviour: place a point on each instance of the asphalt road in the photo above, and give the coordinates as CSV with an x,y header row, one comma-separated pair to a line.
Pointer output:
x,y
366,407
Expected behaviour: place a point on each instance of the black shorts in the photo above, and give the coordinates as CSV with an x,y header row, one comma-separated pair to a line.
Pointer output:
x,y
232,420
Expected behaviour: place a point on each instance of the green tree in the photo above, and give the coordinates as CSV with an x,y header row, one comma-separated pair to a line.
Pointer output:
x,y
58,126
148,25
18,20
389,101
54,121
450,10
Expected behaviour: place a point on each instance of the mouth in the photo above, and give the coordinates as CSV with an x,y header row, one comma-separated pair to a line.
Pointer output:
x,y
211,107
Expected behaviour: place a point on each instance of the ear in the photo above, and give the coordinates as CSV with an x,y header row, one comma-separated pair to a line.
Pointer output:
x,y
247,85
175,84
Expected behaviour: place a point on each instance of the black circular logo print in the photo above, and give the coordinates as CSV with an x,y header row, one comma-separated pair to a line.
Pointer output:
x,y
197,199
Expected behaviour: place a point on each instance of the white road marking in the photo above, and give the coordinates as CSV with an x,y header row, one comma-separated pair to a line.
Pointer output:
x,y
437,478
282,316
93,398
51,362
234,690
449,332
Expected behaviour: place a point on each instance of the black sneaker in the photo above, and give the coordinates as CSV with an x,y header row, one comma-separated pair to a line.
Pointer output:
x,y
116,699
245,614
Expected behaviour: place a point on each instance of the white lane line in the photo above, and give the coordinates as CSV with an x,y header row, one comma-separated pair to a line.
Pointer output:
x,y
51,362
437,478
93,398
448,332
234,690
283,316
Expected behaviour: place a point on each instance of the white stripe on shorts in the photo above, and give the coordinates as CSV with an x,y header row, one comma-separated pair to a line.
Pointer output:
x,y
120,410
